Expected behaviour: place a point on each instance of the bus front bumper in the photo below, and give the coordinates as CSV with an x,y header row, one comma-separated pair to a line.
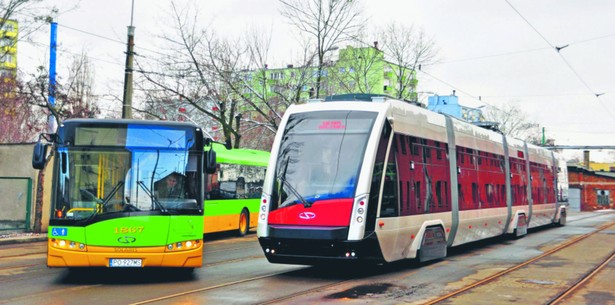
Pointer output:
x,y
96,256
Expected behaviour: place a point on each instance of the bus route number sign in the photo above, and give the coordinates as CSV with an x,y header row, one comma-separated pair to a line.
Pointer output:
x,y
125,262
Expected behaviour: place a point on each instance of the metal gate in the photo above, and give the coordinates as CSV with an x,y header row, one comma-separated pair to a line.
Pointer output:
x,y
15,203
574,199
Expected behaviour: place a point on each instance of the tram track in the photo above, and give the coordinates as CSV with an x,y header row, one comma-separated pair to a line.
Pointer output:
x,y
560,296
332,283
580,282
208,288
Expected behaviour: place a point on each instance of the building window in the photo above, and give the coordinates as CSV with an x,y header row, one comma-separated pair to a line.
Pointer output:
x,y
6,58
277,75
4,42
8,27
603,197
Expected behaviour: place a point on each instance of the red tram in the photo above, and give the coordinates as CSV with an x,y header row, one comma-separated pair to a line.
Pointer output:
x,y
387,180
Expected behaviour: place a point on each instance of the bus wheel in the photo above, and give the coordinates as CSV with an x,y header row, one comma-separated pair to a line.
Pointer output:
x,y
244,223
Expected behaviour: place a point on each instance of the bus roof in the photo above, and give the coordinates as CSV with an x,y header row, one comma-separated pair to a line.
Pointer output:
x,y
241,156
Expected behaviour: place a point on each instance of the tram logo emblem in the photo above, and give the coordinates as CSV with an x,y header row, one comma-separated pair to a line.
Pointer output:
x,y
307,215
126,239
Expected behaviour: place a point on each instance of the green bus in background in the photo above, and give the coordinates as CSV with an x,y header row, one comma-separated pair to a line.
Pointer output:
x,y
234,190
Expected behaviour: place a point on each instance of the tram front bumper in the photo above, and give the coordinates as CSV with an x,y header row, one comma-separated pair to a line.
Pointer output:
x,y
314,252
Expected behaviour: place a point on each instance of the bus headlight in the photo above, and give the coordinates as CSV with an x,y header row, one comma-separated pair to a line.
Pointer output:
x,y
183,245
67,245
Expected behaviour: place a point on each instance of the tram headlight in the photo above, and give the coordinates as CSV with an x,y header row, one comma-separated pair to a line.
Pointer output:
x,y
360,219
360,211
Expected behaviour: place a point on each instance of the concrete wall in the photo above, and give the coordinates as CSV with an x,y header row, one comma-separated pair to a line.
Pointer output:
x,y
15,168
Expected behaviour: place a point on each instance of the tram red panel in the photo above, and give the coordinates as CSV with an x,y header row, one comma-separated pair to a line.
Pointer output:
x,y
332,212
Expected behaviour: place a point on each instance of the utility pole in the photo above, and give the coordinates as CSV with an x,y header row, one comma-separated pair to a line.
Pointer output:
x,y
127,101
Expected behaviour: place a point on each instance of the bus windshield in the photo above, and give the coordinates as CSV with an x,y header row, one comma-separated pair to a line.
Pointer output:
x,y
97,181
320,156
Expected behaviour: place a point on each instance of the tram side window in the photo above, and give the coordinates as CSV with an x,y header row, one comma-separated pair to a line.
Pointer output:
x,y
374,192
475,198
390,204
414,147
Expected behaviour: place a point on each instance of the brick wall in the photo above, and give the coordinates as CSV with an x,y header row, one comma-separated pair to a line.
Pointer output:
x,y
597,190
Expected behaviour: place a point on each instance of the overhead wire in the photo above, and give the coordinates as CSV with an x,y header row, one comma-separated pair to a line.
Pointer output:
x,y
558,50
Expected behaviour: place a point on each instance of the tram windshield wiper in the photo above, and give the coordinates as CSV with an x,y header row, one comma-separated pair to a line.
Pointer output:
x,y
154,199
294,191
282,178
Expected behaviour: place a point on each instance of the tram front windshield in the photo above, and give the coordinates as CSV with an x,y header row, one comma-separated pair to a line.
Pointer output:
x,y
320,156
96,181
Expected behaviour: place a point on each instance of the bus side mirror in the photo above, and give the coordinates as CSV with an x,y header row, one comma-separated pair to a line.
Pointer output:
x,y
210,161
38,155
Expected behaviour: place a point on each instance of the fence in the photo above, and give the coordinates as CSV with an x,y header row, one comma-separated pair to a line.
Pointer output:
x,y
15,203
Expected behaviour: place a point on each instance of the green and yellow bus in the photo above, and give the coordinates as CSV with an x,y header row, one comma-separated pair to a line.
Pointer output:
x,y
126,193
234,190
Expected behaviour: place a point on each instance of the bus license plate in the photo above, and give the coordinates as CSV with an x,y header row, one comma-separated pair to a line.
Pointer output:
x,y
125,262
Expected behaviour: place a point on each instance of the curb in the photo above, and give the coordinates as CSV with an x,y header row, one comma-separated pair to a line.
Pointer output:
x,y
20,240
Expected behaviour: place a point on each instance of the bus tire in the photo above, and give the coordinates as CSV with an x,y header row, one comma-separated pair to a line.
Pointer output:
x,y
244,223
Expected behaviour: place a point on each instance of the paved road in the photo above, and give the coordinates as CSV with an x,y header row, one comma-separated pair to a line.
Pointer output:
x,y
236,272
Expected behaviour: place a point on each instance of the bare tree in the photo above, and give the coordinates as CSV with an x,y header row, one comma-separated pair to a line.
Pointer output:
x,y
36,92
79,87
512,121
407,49
220,83
18,123
327,22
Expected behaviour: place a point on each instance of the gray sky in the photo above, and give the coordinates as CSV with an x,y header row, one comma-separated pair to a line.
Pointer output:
x,y
502,51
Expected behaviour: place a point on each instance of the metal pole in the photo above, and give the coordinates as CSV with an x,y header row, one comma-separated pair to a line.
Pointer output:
x,y
543,137
127,100
53,45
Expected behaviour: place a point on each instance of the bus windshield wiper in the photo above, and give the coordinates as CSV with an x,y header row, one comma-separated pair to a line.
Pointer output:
x,y
154,199
105,200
